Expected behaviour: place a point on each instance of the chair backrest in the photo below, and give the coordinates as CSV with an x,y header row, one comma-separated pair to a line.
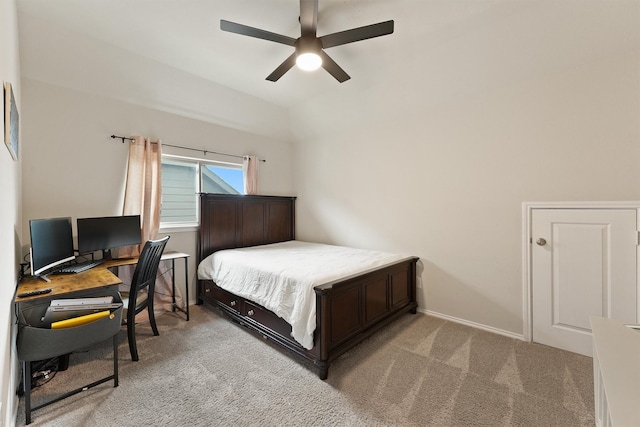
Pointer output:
x,y
146,270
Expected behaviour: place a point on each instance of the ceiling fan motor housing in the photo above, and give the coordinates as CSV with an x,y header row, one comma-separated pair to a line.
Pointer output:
x,y
308,45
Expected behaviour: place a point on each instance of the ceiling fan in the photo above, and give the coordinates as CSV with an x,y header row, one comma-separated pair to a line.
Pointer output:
x,y
309,48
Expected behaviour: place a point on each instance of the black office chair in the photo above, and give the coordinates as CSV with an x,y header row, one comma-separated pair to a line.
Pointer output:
x,y
140,295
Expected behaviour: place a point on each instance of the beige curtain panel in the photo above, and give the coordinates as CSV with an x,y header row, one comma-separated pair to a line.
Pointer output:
x,y
250,174
144,185
143,193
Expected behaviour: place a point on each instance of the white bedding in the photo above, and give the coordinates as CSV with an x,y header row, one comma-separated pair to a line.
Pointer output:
x,y
281,276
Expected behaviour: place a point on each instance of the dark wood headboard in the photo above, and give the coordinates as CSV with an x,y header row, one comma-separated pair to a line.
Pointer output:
x,y
234,221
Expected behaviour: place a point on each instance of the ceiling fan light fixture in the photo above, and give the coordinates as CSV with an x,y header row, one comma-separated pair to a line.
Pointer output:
x,y
309,61
309,48
308,53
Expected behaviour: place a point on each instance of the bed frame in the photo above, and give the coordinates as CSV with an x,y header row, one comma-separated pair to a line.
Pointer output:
x,y
348,310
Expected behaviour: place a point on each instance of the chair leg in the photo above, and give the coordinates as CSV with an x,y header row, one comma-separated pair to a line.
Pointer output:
x,y
152,320
131,336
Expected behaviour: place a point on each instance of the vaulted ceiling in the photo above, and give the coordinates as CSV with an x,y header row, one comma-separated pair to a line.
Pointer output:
x,y
142,47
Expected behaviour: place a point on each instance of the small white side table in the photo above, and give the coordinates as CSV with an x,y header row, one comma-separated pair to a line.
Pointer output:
x,y
172,256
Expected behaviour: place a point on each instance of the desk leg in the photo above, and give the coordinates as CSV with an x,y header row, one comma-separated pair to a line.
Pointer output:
x,y
173,285
174,306
115,360
26,385
186,286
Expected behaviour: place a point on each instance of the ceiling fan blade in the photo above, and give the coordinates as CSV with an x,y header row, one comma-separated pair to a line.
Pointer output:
x,y
308,17
282,68
245,30
333,68
357,34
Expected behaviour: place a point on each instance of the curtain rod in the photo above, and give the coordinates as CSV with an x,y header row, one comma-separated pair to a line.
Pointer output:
x,y
123,138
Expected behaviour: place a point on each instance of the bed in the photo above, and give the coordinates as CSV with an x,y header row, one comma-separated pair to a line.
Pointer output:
x,y
346,307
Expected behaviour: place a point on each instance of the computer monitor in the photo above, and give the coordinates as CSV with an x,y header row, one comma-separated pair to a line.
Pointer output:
x,y
106,233
51,244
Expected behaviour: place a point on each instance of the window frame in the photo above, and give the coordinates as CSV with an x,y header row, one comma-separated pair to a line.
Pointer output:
x,y
199,163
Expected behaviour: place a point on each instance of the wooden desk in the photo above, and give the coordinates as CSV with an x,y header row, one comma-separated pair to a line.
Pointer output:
x,y
92,282
36,343
100,277
62,284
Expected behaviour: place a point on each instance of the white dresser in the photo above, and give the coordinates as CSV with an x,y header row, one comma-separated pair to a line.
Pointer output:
x,y
616,370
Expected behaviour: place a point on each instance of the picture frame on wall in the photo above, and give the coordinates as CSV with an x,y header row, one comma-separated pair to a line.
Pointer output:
x,y
11,121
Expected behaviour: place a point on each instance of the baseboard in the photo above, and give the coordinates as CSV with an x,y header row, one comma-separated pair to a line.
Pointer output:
x,y
473,324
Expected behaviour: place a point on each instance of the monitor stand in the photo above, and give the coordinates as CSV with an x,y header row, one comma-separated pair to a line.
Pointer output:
x,y
43,277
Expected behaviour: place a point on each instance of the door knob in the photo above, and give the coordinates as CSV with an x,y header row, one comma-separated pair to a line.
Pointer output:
x,y
541,241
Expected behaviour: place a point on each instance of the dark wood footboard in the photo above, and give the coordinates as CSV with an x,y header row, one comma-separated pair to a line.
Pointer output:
x,y
347,310
350,310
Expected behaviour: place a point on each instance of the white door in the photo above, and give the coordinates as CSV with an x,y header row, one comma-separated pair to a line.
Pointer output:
x,y
583,264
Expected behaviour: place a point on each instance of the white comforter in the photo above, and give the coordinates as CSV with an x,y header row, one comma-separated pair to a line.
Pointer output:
x,y
281,276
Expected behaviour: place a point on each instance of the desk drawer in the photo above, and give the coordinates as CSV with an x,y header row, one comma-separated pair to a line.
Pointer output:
x,y
37,343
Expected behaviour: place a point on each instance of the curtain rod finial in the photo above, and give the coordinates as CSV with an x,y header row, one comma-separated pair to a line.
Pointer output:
x,y
119,137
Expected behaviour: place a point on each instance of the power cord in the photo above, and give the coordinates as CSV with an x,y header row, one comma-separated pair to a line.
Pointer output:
x,y
41,373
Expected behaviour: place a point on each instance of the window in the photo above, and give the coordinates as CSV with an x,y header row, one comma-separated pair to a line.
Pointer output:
x,y
184,178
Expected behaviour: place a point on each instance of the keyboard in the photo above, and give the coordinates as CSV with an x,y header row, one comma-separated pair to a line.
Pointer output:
x,y
80,267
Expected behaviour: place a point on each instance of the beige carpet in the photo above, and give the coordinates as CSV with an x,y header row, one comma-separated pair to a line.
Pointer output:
x,y
419,371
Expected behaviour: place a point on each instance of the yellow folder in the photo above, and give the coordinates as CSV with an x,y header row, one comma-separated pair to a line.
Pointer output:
x,y
80,320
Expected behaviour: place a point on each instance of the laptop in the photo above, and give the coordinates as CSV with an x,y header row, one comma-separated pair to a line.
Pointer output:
x,y
58,313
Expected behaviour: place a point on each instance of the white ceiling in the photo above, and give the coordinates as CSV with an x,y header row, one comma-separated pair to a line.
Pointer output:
x,y
186,34
76,42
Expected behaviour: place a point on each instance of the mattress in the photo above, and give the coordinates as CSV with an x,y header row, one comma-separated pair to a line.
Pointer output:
x,y
281,276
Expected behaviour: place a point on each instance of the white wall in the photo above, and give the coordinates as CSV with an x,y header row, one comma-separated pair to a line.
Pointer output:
x,y
73,168
10,216
437,164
